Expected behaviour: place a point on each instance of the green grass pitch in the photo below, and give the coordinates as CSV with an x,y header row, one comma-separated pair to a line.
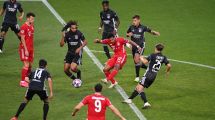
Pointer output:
x,y
187,30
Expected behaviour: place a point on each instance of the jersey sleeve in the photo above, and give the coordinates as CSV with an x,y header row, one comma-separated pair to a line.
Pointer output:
x,y
108,102
48,75
23,30
115,16
124,41
149,57
66,37
101,16
85,101
129,30
5,5
147,29
20,8
165,61
82,37
105,41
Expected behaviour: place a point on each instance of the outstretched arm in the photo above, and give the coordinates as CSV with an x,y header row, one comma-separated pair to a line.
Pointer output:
x,y
116,112
77,108
62,41
155,33
134,44
144,60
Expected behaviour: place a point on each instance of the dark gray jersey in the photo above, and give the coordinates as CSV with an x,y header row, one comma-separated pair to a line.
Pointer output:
x,y
107,18
138,33
74,40
38,78
11,11
155,62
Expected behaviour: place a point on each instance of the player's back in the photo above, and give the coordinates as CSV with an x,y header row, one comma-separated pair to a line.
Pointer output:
x,y
97,105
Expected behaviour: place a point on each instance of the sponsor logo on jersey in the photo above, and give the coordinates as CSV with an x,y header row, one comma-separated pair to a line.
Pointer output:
x,y
140,30
76,36
106,21
73,43
11,9
108,16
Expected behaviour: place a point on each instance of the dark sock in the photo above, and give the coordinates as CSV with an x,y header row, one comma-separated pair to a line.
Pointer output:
x,y
106,50
45,110
21,108
1,43
79,74
144,66
137,70
70,75
133,95
143,97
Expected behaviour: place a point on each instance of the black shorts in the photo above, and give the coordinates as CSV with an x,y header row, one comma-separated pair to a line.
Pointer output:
x,y
41,93
13,27
73,58
105,36
148,79
136,51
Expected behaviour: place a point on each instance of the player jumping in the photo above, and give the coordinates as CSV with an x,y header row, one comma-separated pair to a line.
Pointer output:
x,y
117,61
9,10
110,22
26,48
36,80
136,32
97,104
76,42
155,61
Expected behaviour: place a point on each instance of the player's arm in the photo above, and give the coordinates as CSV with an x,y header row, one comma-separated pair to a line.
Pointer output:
x,y
50,88
3,9
105,41
100,24
84,43
27,79
144,60
77,108
168,68
24,43
129,32
21,12
62,41
135,44
116,18
116,112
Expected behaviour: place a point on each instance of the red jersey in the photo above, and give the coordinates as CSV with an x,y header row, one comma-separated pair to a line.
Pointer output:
x,y
119,45
96,106
28,32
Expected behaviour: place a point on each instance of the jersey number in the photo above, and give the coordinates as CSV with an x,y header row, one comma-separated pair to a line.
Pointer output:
x,y
98,106
38,74
156,67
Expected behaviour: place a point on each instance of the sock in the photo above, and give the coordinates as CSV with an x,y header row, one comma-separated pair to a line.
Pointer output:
x,y
21,108
143,66
70,75
106,50
143,97
79,74
112,75
24,73
1,43
137,70
133,95
45,110
112,80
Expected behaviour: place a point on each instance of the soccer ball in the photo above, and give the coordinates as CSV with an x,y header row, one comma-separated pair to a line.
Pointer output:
x,y
77,83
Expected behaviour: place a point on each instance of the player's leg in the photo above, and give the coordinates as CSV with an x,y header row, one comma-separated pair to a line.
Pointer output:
x,y
75,63
16,29
105,47
44,97
24,73
28,96
137,66
67,71
3,33
108,67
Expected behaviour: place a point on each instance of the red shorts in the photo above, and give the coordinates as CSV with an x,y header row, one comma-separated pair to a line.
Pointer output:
x,y
117,59
23,57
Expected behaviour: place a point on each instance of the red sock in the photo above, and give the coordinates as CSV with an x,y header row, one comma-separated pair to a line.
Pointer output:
x,y
112,80
112,75
24,73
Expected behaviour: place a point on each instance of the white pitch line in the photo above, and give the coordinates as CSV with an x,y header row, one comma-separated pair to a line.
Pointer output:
x,y
97,62
179,61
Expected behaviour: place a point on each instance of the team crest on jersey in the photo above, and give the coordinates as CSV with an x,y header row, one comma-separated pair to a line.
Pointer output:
x,y
108,16
15,6
76,36
140,30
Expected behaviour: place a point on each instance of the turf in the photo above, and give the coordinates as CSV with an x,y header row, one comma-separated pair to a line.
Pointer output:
x,y
186,29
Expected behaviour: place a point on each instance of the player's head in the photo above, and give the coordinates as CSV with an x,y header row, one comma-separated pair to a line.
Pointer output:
x,y
73,25
105,5
98,87
13,1
42,63
159,47
136,20
30,17
111,36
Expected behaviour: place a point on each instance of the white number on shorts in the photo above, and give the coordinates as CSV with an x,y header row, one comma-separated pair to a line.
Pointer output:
x,y
98,106
38,74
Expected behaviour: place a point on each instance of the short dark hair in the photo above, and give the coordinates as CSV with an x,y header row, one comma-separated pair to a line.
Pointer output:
x,y
136,17
159,47
98,87
110,35
105,2
72,22
42,63
30,14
